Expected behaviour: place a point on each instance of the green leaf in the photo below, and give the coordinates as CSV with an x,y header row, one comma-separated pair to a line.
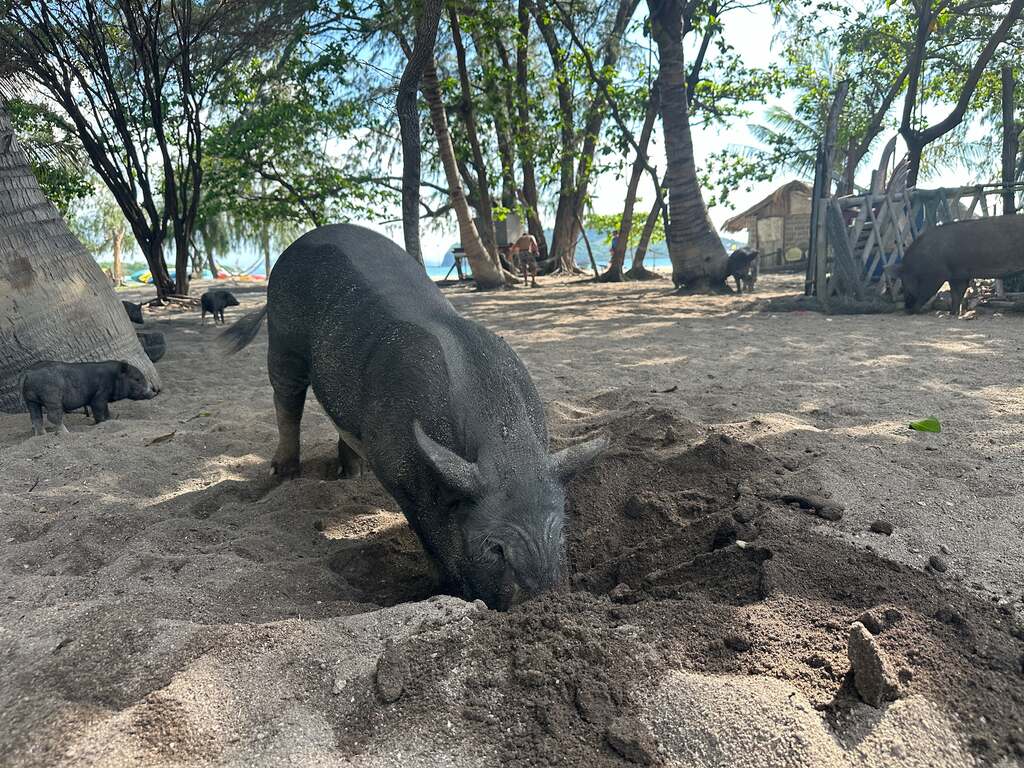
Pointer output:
x,y
926,425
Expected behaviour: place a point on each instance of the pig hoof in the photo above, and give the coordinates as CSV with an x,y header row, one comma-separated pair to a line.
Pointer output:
x,y
286,470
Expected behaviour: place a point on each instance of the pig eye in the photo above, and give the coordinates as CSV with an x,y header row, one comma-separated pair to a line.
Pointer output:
x,y
495,552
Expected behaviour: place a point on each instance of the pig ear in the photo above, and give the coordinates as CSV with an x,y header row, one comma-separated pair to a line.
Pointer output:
x,y
457,473
571,460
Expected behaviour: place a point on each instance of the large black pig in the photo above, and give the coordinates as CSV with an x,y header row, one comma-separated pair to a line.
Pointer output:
x,y
441,409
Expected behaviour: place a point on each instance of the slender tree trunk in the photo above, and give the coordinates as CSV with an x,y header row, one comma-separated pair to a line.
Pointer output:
x,y
524,133
562,240
698,256
181,270
409,122
1011,143
638,271
614,273
486,274
265,245
484,208
151,244
118,243
55,301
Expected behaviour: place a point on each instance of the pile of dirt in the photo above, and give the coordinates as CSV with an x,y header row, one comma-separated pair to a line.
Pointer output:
x,y
701,585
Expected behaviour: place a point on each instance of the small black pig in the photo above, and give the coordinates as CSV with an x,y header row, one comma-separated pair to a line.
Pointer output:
x,y
60,388
742,267
441,409
215,301
134,311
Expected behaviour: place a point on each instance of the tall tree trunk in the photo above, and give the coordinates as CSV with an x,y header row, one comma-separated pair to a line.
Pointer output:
x,y
614,272
524,143
698,256
181,270
409,122
638,271
55,301
486,274
118,243
1011,143
562,240
484,208
151,244
265,245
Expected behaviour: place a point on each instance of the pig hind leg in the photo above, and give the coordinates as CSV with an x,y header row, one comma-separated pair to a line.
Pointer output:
x,y
35,412
350,463
289,375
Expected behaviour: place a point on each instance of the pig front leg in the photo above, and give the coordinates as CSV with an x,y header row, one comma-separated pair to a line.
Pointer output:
x,y
55,415
957,290
100,410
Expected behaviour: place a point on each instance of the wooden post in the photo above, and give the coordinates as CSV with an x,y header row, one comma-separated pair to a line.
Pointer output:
x,y
811,278
845,266
819,236
1011,143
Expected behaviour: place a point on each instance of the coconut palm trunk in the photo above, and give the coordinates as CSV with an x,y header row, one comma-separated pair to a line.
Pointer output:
x,y
55,301
697,254
485,272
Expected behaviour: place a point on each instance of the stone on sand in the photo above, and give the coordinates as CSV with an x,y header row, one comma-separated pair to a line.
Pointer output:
x,y
873,677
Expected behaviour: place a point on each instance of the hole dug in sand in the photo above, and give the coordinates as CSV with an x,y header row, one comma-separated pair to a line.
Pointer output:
x,y
707,623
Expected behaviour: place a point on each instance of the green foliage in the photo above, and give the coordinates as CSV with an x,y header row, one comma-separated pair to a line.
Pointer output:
x,y
609,224
289,146
53,151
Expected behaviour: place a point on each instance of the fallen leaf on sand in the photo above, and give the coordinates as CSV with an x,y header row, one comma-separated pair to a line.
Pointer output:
x,y
161,438
926,425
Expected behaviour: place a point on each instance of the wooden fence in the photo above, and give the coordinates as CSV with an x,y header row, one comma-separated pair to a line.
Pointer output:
x,y
864,234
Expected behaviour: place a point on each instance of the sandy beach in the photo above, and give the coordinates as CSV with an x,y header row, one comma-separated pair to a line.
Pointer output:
x,y
166,602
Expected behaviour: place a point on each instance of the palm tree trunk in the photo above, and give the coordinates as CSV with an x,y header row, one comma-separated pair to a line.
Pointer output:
x,y
698,256
55,301
485,272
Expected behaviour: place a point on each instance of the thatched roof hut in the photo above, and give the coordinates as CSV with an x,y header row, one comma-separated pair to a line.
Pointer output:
x,y
778,226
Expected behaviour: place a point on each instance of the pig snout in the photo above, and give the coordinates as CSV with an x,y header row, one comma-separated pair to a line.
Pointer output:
x,y
512,569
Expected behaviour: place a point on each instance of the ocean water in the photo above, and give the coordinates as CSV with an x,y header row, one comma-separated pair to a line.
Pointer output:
x,y
653,261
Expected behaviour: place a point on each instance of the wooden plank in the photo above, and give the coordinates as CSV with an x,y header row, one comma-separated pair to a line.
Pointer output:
x,y
812,274
846,269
